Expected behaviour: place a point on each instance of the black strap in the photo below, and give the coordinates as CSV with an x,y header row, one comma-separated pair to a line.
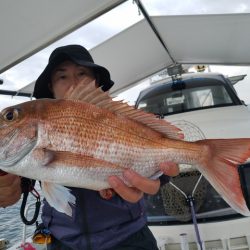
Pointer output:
x,y
28,186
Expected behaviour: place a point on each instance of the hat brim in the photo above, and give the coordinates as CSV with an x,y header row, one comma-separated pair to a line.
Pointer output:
x,y
42,89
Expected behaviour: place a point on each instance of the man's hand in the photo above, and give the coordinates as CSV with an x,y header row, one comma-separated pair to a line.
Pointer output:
x,y
140,184
10,190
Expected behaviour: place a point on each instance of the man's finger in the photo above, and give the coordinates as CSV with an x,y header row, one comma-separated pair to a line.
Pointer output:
x,y
107,194
142,183
130,194
170,168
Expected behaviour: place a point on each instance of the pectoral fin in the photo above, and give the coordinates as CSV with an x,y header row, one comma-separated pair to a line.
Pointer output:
x,y
58,197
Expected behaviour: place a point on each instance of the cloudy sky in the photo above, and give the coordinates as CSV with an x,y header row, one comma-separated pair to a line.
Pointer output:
x,y
104,27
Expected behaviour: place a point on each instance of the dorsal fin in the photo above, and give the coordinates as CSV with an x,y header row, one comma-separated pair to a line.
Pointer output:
x,y
90,94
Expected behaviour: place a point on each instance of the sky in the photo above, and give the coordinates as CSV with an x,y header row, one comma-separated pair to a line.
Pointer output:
x,y
104,27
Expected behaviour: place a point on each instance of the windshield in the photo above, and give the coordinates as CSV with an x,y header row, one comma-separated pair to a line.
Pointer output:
x,y
185,96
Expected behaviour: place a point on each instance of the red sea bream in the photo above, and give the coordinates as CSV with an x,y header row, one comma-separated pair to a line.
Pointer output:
x,y
80,142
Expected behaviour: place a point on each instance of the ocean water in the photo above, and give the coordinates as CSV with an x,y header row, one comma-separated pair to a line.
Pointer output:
x,y
11,225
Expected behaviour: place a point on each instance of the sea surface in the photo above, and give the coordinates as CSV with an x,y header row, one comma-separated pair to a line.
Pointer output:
x,y
11,225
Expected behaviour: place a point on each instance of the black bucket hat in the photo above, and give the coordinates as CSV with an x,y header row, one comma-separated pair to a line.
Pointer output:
x,y
78,55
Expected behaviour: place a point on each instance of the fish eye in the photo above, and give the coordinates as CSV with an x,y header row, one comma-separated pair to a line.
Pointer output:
x,y
10,115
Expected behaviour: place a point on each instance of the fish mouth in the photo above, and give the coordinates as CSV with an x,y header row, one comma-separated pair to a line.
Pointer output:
x,y
15,146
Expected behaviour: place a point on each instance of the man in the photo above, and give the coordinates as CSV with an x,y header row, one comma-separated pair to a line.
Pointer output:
x,y
97,223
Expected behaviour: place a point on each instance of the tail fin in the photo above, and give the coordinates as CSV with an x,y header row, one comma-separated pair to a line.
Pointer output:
x,y
221,170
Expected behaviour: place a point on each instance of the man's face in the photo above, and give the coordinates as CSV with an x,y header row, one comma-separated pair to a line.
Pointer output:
x,y
69,74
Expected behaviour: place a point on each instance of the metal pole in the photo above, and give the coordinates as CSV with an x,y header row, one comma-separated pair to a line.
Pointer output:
x,y
198,238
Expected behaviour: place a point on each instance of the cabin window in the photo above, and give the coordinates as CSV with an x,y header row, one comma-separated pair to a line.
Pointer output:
x,y
168,101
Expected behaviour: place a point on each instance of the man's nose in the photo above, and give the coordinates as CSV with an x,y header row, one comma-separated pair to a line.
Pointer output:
x,y
75,80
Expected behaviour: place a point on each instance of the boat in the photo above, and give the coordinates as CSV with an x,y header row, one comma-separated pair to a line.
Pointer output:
x,y
204,106
145,48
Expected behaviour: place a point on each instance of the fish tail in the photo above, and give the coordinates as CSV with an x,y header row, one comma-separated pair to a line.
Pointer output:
x,y
219,164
